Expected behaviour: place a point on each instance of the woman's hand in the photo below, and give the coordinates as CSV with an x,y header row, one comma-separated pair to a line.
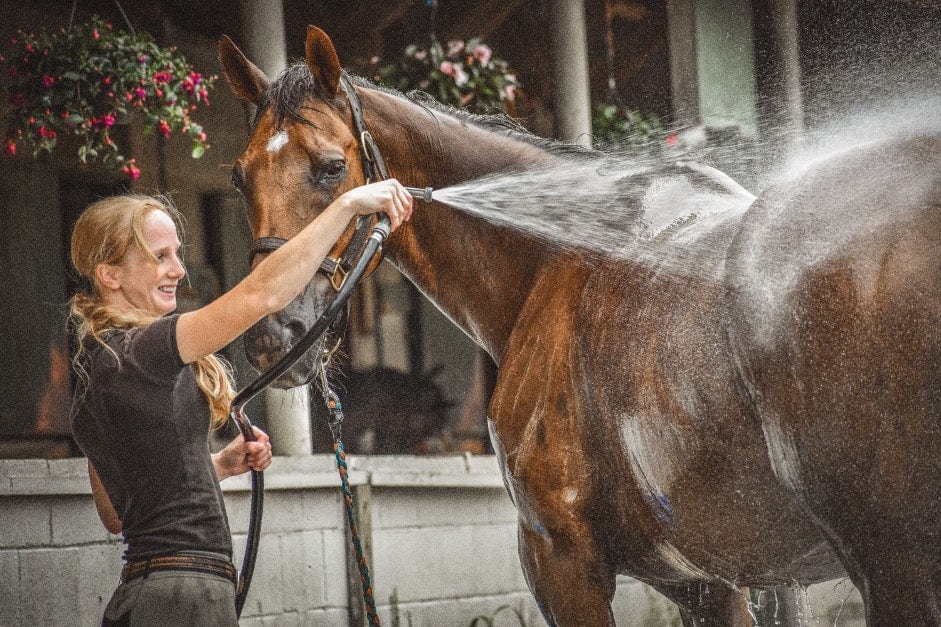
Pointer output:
x,y
388,197
241,456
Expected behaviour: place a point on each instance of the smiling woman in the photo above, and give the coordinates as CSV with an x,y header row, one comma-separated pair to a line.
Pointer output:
x,y
150,388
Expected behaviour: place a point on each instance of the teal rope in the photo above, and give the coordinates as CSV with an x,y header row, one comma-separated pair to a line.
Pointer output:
x,y
333,404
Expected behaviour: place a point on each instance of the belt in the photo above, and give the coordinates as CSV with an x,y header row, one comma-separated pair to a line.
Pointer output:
x,y
191,563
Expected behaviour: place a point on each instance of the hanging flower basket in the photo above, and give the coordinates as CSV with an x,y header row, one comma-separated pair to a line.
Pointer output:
x,y
617,126
461,74
85,80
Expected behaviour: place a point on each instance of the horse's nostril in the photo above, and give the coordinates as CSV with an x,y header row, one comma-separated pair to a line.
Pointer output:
x,y
294,331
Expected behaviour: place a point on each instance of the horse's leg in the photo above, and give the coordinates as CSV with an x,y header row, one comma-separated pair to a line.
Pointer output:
x,y
569,587
897,573
709,604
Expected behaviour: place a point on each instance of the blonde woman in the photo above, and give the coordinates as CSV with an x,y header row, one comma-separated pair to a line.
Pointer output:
x,y
149,390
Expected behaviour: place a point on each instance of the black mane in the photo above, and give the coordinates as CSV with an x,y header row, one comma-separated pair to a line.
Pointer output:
x,y
289,92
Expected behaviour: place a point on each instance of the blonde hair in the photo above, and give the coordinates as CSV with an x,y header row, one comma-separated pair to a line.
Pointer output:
x,y
103,234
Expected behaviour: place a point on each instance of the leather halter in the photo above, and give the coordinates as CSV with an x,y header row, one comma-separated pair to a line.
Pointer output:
x,y
374,168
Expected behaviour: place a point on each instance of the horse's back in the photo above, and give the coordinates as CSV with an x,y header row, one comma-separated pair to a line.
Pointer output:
x,y
834,309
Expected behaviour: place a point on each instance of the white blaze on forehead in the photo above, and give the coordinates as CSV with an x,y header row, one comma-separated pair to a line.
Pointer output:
x,y
277,142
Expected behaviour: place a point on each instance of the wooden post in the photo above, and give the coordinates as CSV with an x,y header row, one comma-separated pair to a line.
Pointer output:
x,y
569,52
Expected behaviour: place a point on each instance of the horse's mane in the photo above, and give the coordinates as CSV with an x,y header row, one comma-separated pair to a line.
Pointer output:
x,y
288,93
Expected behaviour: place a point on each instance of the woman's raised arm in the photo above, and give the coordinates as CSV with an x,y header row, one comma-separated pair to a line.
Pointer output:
x,y
281,276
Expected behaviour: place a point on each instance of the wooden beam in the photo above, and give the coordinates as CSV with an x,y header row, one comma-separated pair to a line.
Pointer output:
x,y
478,19
363,20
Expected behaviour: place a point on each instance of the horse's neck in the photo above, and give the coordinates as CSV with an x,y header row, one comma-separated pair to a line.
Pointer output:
x,y
477,273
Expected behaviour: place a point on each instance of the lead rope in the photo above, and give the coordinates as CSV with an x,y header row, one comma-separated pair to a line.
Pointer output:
x,y
335,422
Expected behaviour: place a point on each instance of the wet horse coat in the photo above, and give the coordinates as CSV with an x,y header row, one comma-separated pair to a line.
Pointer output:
x,y
745,395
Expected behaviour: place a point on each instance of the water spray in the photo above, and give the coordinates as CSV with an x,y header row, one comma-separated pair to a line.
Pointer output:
x,y
421,193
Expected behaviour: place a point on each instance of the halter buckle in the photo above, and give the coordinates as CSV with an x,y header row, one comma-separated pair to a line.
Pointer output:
x,y
338,276
367,150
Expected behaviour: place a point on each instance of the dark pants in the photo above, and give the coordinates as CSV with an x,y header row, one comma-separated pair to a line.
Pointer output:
x,y
171,597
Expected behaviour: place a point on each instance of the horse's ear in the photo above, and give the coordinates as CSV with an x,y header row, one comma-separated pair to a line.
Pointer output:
x,y
247,81
322,61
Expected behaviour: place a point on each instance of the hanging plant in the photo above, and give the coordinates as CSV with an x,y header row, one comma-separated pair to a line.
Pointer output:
x,y
622,127
461,74
84,80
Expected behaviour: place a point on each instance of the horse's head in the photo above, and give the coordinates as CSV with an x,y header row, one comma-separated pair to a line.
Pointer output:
x,y
302,154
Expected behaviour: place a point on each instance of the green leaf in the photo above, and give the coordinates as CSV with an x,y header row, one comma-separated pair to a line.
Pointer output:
x,y
198,150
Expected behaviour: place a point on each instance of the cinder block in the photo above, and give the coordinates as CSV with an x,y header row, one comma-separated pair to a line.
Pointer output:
x,y
405,507
303,571
289,510
50,583
332,616
26,521
439,563
100,567
334,573
266,592
74,520
498,611
11,591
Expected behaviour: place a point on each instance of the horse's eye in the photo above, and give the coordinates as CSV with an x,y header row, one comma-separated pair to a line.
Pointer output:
x,y
334,168
329,173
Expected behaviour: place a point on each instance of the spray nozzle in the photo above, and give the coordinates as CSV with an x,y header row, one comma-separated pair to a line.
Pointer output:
x,y
421,193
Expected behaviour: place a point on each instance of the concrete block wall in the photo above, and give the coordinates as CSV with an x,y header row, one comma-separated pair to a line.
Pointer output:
x,y
441,533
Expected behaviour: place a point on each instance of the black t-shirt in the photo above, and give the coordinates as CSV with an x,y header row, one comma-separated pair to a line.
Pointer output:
x,y
144,424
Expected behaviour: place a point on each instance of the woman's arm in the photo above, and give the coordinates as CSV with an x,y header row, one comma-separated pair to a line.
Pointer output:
x,y
109,517
281,276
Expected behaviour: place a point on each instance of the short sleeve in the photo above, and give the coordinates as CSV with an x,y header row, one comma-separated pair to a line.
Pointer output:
x,y
154,348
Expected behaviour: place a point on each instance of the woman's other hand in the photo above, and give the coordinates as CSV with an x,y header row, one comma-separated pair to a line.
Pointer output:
x,y
241,456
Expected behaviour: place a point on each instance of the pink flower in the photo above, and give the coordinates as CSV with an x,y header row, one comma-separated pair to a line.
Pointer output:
x,y
447,67
420,55
162,77
482,53
455,48
142,58
190,82
94,34
46,133
131,170
671,139
511,92
140,93
460,77
164,128
47,81
10,147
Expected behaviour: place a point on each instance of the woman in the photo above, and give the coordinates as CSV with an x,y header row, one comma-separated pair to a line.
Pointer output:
x,y
150,388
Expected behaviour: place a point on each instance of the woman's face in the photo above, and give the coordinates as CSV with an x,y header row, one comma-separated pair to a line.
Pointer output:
x,y
144,284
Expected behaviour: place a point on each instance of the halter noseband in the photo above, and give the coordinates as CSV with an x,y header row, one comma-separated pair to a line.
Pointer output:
x,y
374,167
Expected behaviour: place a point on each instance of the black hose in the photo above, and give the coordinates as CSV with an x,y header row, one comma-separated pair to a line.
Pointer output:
x,y
379,232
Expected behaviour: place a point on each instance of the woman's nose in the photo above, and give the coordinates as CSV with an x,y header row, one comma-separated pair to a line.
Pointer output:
x,y
178,269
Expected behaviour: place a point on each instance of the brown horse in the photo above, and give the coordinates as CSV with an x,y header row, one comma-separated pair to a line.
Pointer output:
x,y
742,392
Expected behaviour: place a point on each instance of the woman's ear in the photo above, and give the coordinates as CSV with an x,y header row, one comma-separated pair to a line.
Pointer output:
x,y
108,276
